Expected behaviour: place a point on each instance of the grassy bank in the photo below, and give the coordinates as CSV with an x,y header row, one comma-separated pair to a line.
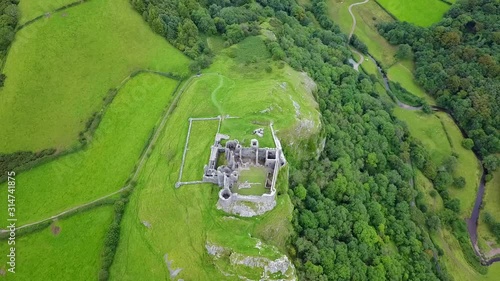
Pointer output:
x,y
67,250
419,12
102,42
188,215
105,164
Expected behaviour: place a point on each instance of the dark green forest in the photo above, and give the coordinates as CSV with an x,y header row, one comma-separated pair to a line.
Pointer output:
x,y
457,61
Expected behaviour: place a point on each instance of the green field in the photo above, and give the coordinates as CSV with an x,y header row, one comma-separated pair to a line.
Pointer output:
x,y
106,163
430,131
401,72
427,129
468,166
102,42
72,254
456,264
183,220
367,16
419,12
256,176
31,9
491,205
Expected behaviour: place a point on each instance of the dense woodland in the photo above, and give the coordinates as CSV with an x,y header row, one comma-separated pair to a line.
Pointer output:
x,y
458,62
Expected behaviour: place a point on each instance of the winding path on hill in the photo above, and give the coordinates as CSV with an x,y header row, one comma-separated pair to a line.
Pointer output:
x,y
355,65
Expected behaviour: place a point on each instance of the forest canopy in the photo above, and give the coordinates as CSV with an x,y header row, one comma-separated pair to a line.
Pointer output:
x,y
457,61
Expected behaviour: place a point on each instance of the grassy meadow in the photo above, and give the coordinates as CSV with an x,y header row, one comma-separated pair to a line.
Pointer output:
x,y
435,131
468,166
491,205
106,163
103,41
31,9
402,72
419,12
69,249
183,220
456,263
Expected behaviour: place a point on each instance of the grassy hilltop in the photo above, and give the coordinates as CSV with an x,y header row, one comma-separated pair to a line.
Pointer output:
x,y
184,220
60,67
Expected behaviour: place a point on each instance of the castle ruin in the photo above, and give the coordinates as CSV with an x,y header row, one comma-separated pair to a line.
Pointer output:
x,y
237,159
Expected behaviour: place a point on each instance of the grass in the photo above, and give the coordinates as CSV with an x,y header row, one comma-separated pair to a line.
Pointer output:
x,y
200,131
31,9
468,166
401,72
427,129
255,175
183,220
72,254
423,184
419,12
105,164
102,42
367,17
433,131
456,264
490,202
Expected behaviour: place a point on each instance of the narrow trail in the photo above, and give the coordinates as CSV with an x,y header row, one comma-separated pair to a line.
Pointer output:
x,y
140,165
356,65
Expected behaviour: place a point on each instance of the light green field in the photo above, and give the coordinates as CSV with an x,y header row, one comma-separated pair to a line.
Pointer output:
x,y
73,254
256,175
367,16
183,220
419,12
105,164
435,204
456,264
102,42
401,72
31,9
468,167
491,205
427,129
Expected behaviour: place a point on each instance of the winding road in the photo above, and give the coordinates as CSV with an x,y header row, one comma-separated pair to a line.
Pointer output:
x,y
355,65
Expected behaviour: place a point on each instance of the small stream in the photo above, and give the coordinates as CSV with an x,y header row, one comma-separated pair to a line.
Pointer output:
x,y
474,218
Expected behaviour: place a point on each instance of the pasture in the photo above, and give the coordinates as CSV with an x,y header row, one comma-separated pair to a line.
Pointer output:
x,y
106,163
490,202
103,42
70,249
468,166
455,262
441,137
427,129
31,9
182,221
419,12
367,15
402,72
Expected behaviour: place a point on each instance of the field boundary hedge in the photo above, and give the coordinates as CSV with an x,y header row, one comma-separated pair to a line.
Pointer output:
x,y
387,11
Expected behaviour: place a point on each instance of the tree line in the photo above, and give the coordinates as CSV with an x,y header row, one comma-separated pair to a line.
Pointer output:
x,y
457,61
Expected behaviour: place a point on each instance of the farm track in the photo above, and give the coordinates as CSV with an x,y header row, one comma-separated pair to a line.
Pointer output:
x,y
140,165
362,58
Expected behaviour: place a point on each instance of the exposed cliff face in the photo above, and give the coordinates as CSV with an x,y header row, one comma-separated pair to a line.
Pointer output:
x,y
269,264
